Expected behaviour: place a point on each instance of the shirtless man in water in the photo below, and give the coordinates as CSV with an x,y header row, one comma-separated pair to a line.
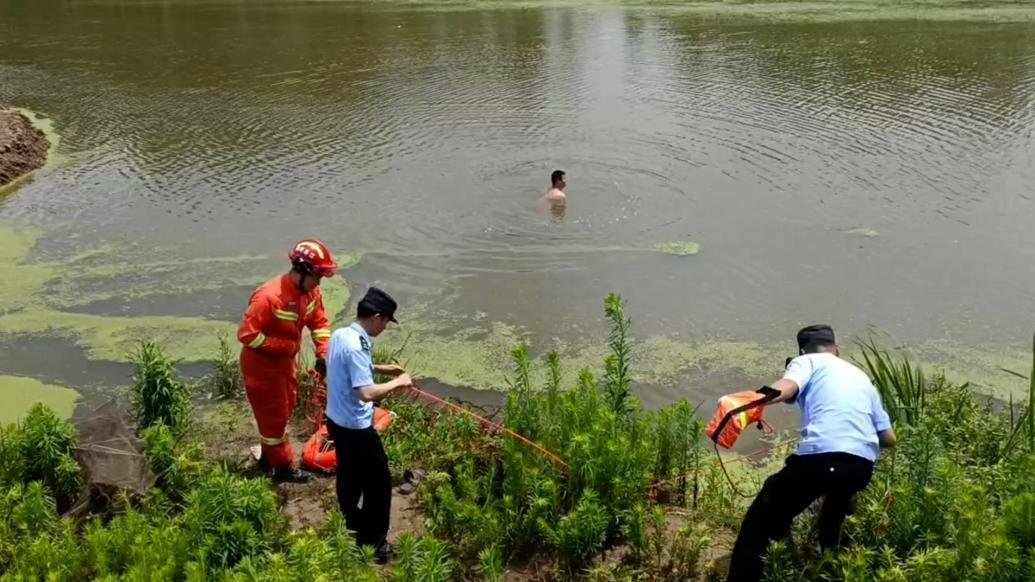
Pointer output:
x,y
554,198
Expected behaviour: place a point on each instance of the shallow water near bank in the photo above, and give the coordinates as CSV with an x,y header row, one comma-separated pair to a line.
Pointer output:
x,y
857,163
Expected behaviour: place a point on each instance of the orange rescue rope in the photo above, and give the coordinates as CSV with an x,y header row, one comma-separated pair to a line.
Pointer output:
x,y
317,401
497,428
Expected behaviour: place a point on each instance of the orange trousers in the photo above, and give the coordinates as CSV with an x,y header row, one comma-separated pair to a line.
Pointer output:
x,y
272,390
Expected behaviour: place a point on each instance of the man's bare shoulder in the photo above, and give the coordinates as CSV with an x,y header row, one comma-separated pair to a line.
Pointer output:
x,y
555,195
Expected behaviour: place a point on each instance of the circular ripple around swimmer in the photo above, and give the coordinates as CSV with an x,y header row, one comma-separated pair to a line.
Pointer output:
x,y
612,204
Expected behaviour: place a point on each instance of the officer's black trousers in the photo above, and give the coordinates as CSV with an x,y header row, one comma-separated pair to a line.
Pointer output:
x,y
803,480
363,474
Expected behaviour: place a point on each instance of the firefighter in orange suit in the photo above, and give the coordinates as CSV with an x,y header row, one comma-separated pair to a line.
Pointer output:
x,y
271,333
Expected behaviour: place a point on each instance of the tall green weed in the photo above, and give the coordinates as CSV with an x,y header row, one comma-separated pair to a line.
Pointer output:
x,y
512,497
159,394
41,447
226,378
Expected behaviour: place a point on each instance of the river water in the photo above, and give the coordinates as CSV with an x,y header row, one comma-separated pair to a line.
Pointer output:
x,y
863,173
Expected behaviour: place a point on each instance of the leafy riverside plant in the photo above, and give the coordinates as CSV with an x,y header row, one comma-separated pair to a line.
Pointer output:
x,y
902,386
159,395
41,448
227,376
510,497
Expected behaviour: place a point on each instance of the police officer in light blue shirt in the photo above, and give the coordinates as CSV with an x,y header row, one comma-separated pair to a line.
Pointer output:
x,y
844,424
364,484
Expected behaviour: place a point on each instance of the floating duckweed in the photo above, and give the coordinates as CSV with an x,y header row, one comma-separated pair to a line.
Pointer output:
x,y
474,357
335,298
984,369
34,296
477,356
20,393
22,282
681,249
46,125
866,232
112,338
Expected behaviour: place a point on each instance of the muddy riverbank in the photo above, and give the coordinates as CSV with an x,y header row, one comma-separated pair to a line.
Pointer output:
x,y
23,147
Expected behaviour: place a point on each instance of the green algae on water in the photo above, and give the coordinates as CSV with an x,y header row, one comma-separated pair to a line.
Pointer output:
x,y
866,232
113,338
18,394
476,357
479,356
335,298
87,276
985,369
22,282
45,125
34,296
680,249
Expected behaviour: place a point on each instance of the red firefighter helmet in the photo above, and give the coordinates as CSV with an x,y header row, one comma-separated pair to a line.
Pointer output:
x,y
315,255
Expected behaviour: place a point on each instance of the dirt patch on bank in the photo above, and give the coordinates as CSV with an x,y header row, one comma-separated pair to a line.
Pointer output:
x,y
228,432
23,148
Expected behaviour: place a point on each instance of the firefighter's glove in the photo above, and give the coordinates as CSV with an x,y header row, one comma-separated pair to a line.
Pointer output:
x,y
321,367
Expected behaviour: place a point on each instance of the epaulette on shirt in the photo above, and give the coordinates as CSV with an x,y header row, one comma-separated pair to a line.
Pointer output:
x,y
363,343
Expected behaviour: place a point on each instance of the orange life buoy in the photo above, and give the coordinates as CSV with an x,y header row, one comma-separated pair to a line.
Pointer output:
x,y
738,422
318,453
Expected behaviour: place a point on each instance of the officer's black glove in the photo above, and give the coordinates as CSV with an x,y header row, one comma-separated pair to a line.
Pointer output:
x,y
321,367
768,392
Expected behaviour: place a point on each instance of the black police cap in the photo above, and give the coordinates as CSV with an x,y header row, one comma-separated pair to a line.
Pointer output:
x,y
378,301
815,335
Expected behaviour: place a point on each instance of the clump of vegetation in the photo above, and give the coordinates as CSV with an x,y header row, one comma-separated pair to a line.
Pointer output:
x,y
176,467
903,386
41,448
508,496
422,559
679,248
661,550
229,518
227,379
159,395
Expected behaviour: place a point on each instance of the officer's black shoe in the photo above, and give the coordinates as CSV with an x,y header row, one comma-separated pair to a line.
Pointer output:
x,y
291,476
384,553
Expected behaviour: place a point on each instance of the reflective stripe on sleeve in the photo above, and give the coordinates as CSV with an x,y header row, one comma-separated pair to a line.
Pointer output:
x,y
285,315
258,341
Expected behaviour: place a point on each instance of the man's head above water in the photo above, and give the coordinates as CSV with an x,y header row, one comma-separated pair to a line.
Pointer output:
x,y
557,179
817,338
